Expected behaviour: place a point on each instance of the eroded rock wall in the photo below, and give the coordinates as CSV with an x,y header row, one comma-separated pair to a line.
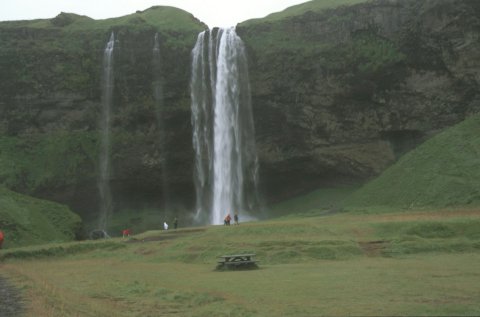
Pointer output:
x,y
339,94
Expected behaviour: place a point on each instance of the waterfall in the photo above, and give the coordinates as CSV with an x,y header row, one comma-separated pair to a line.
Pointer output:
x,y
158,83
201,122
226,164
104,157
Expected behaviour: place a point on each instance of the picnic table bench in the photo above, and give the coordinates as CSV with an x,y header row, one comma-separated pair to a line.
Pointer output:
x,y
237,261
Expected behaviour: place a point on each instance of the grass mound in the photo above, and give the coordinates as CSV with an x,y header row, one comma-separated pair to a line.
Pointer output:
x,y
26,220
442,172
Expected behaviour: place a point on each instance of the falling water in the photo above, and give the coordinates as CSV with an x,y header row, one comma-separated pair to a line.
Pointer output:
x,y
158,83
223,133
202,123
104,158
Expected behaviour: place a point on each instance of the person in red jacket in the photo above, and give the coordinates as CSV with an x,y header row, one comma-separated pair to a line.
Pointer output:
x,y
227,220
126,233
1,239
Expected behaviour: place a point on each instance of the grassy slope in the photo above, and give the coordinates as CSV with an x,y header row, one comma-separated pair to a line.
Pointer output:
x,y
416,263
442,172
314,5
26,220
314,203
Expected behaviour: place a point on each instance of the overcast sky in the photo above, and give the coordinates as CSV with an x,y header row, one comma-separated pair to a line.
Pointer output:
x,y
221,13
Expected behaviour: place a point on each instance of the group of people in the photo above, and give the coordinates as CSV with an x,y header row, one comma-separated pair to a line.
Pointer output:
x,y
228,219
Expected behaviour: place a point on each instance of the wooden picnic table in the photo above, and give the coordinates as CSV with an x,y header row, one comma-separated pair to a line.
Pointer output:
x,y
237,260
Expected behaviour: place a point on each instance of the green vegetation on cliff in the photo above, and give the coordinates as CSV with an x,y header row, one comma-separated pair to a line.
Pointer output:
x,y
67,49
300,9
442,172
51,100
26,220
52,160
161,17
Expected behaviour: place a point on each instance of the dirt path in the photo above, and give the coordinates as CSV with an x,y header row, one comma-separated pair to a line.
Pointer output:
x,y
11,304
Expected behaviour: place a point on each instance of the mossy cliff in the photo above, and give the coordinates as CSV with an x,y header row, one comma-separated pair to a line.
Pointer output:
x,y
50,83
340,90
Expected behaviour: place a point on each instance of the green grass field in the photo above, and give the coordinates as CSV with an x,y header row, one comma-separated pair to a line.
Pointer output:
x,y
415,263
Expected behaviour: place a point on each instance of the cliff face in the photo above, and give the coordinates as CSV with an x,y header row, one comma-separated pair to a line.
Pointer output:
x,y
338,94
51,73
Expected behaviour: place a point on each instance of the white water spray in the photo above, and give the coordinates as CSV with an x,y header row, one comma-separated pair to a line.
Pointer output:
x,y
103,181
226,163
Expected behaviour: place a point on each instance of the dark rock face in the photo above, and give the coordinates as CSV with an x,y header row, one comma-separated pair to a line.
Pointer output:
x,y
342,93
51,105
338,95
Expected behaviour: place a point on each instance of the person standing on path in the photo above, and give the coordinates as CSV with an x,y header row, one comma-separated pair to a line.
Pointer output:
x,y
1,238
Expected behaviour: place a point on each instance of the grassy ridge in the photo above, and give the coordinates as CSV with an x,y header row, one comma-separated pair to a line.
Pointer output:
x,y
442,172
314,5
26,220
161,17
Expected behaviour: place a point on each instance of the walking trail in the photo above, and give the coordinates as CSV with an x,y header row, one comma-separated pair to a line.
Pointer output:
x,y
11,304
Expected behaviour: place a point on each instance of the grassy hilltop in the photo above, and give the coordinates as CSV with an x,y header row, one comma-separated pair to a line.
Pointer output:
x,y
299,9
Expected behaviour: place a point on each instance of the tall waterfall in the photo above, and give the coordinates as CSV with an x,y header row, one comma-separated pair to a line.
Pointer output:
x,y
103,181
158,84
226,164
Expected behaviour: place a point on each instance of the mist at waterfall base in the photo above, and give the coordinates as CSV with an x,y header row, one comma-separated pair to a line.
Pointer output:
x,y
226,163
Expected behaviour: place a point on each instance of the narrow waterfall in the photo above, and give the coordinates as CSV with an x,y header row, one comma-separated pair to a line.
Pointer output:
x,y
158,84
202,105
105,123
226,164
